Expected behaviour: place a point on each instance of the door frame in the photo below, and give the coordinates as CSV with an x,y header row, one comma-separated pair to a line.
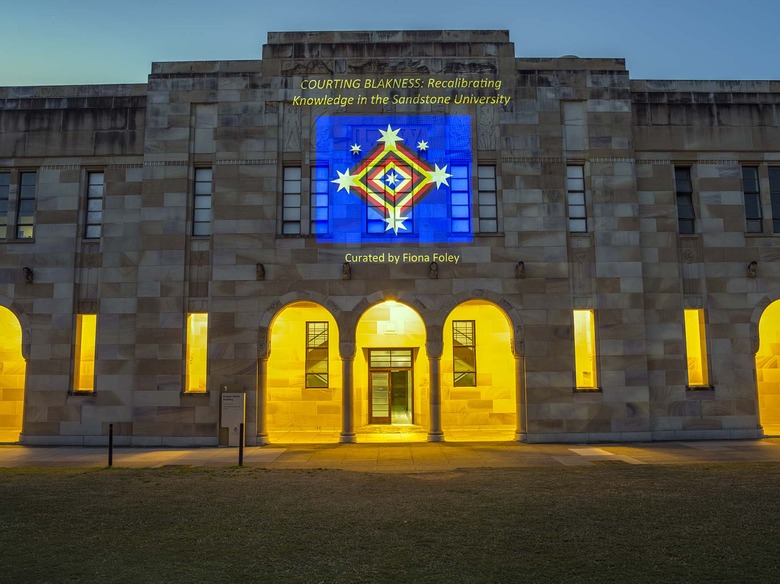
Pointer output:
x,y
388,370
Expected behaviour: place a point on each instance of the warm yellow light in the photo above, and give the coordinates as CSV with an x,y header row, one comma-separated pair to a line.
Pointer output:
x,y
696,347
86,332
12,373
197,351
767,369
585,350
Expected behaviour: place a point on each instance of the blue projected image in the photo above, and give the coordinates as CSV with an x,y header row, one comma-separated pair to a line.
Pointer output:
x,y
392,179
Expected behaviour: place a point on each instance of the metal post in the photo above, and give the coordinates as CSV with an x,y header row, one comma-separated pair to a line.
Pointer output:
x,y
241,444
110,445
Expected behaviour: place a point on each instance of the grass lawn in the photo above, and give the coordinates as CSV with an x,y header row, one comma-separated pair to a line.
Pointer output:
x,y
606,523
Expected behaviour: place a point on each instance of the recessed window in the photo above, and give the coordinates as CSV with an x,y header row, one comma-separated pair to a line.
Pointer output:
x,y
487,197
585,350
316,355
291,201
201,214
774,195
84,367
319,200
575,190
5,190
197,352
684,191
25,212
752,192
460,201
696,348
464,353
95,189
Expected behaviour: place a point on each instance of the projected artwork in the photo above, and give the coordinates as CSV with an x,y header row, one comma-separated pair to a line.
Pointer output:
x,y
392,179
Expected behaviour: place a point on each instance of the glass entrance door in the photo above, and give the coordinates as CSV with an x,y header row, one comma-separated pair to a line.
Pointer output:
x,y
390,396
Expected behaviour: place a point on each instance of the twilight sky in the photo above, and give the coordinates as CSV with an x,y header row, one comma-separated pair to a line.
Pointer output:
x,y
55,42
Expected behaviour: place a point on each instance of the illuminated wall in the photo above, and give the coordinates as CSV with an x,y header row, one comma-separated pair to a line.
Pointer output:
x,y
767,369
197,351
291,405
12,373
585,350
391,325
492,401
84,366
696,347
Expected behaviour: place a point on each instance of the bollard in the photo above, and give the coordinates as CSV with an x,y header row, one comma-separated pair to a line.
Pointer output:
x,y
110,445
241,444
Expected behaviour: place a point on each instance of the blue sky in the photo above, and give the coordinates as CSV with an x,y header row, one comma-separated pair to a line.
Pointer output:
x,y
51,42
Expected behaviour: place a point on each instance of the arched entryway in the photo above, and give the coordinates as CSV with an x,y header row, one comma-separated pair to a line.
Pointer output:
x,y
303,375
391,373
13,368
478,374
768,369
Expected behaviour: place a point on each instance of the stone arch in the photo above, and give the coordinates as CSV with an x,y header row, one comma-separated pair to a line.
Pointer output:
x,y
755,318
280,303
501,302
406,298
21,316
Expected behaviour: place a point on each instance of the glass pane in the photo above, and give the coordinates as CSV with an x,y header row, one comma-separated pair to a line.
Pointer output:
x,y
774,179
487,211
750,179
291,214
202,215
95,205
488,226
320,173
203,174
576,198
487,184
578,225
24,232
95,191
319,200
752,206
459,172
92,232
460,226
201,229
379,358
320,214
94,217
95,178
575,184
460,198
202,188
28,179
292,173
203,202
577,212
292,200
573,172
460,184
486,172
380,395
292,186
460,212
291,228
319,186
5,179
487,199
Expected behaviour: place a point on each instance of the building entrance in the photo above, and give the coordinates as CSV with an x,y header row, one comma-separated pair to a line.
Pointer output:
x,y
390,386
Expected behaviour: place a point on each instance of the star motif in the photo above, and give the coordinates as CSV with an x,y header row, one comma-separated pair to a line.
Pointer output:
x,y
390,137
440,176
422,145
395,220
355,148
345,181
391,178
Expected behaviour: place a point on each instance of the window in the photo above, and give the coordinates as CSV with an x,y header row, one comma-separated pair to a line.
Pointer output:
x,y
316,355
585,350
684,189
5,189
291,201
201,213
696,348
464,354
461,205
752,193
84,369
197,352
319,200
488,204
25,213
774,195
94,222
575,189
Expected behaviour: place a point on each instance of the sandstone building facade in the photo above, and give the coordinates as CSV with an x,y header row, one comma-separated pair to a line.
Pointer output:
x,y
371,231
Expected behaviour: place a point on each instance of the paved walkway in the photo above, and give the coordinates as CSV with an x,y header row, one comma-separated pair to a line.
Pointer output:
x,y
409,457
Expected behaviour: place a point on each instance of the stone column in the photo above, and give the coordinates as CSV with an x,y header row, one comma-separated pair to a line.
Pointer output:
x,y
347,436
434,350
521,433
262,401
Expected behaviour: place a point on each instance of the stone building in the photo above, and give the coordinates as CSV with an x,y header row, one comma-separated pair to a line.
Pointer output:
x,y
390,235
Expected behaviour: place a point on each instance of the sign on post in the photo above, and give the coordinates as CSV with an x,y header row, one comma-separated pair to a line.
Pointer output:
x,y
233,415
